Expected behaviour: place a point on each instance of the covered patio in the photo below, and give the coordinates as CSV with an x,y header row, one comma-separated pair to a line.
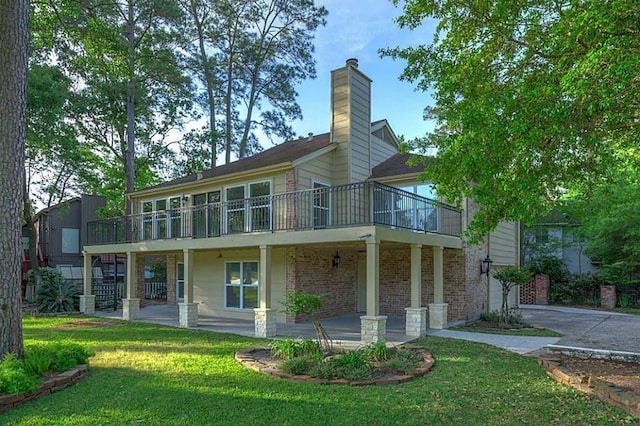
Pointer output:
x,y
343,330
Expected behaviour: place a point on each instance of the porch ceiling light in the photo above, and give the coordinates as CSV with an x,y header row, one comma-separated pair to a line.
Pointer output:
x,y
336,260
485,265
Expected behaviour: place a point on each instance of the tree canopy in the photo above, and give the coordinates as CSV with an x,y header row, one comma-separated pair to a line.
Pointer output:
x,y
531,98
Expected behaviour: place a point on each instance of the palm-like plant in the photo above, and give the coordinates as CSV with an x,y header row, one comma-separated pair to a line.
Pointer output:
x,y
55,294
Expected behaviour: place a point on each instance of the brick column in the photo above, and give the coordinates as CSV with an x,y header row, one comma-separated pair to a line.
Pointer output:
x,y
140,279
608,296
416,321
373,329
265,322
130,309
438,315
188,315
88,304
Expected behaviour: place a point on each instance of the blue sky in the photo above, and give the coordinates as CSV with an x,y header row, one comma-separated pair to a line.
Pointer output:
x,y
357,29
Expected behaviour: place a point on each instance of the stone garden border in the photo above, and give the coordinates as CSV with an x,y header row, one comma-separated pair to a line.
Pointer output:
x,y
621,398
248,359
47,387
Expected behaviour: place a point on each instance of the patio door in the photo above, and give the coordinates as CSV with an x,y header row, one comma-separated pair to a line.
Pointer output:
x,y
180,282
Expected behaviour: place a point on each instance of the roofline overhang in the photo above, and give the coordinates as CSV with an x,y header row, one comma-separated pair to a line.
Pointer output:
x,y
314,154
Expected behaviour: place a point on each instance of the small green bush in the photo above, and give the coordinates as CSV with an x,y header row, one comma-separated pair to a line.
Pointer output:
x,y
290,348
513,319
300,365
325,370
38,359
54,294
68,355
13,377
378,352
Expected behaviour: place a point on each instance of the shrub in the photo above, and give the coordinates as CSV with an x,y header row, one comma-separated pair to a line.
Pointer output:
x,y
55,294
402,361
550,265
300,365
513,318
509,278
13,377
378,352
38,359
302,303
68,355
291,348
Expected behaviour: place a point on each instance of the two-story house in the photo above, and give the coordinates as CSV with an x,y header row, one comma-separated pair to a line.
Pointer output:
x,y
339,214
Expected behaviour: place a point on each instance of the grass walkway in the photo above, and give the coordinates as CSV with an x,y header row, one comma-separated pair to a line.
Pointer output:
x,y
146,374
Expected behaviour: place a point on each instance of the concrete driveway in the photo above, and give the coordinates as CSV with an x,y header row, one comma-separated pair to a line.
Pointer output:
x,y
589,329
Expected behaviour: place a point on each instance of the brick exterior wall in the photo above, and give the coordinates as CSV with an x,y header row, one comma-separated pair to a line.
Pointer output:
x,y
535,292
310,270
140,279
171,279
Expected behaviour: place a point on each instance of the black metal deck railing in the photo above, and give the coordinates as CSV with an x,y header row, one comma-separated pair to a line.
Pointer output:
x,y
357,204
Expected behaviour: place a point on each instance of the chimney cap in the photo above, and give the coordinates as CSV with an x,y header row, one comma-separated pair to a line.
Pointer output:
x,y
310,137
353,62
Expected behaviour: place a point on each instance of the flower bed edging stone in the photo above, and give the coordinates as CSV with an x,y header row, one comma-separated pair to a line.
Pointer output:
x,y
628,401
47,387
248,359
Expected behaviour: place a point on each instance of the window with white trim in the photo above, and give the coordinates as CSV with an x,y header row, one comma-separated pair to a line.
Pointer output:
x,y
321,205
241,285
162,218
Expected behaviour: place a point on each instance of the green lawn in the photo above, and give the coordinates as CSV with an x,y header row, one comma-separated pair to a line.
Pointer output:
x,y
145,374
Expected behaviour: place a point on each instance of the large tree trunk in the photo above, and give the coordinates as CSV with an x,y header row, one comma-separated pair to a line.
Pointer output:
x,y
130,152
14,37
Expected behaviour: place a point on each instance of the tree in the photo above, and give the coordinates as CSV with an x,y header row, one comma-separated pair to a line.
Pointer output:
x,y
14,37
509,277
609,220
531,98
255,52
134,95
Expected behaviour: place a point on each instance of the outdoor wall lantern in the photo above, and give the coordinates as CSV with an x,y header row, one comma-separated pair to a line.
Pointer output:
x,y
336,260
485,265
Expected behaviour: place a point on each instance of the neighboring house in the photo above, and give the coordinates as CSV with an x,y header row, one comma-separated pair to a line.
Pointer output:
x,y
62,232
339,214
555,235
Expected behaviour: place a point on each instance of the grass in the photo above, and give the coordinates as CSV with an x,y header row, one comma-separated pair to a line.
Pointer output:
x,y
154,375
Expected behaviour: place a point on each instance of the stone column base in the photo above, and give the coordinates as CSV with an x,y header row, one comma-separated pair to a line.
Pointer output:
x,y
265,322
130,309
373,329
416,323
88,304
188,314
438,315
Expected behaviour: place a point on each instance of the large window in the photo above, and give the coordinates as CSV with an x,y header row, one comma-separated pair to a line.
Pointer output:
x,y
206,214
248,215
162,218
241,285
422,215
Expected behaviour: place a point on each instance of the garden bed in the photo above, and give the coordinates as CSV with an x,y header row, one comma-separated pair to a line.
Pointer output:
x,y
48,386
260,359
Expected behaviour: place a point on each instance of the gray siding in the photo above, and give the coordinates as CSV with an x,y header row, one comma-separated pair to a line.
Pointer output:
x,y
503,244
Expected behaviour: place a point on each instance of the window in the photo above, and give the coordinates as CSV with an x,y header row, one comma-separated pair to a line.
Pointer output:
x,y
241,285
321,207
206,214
248,215
70,240
423,215
260,205
235,209
162,218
